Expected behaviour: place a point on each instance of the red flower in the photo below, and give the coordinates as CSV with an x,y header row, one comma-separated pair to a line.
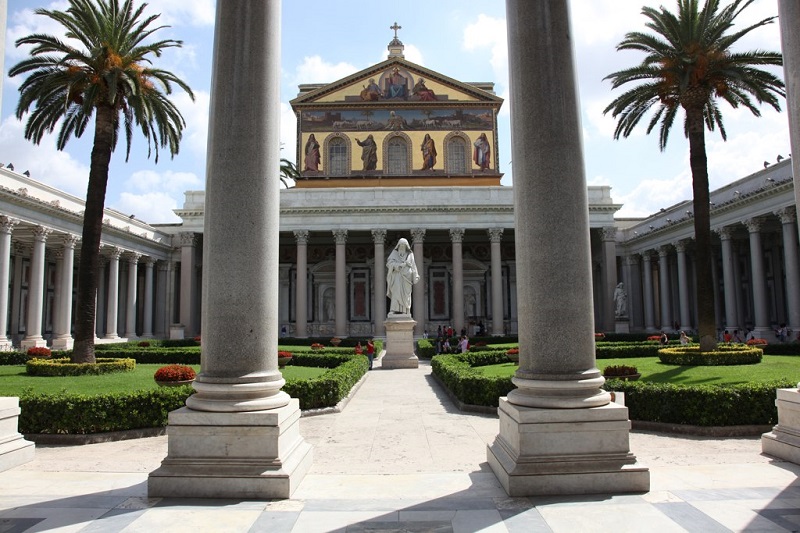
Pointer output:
x,y
39,352
512,351
317,346
284,354
175,373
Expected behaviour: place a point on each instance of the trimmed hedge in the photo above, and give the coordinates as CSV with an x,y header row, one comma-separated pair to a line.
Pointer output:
x,y
157,356
737,354
789,348
331,387
701,405
63,367
81,414
620,350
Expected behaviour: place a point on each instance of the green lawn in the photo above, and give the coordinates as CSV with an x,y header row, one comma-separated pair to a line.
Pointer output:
x,y
13,380
772,367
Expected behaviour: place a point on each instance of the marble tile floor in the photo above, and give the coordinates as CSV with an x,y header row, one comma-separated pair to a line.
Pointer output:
x,y
401,458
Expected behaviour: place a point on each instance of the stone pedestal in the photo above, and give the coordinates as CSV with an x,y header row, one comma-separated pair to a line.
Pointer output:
x,y
399,342
14,450
565,451
622,325
63,343
784,439
247,455
176,331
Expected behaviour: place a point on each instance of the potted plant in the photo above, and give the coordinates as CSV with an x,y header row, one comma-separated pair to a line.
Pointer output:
x,y
623,372
174,375
599,336
317,346
758,343
284,358
335,341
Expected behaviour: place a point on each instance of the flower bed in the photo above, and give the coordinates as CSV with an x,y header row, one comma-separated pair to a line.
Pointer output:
x,y
723,355
63,367
175,373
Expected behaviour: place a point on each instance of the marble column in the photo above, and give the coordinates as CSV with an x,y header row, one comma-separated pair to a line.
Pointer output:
x,y
418,290
559,432
147,316
762,327
100,303
301,285
789,19
6,227
788,218
340,237
683,286
188,243
379,238
633,282
457,237
62,336
609,237
33,322
164,298
20,250
649,307
239,435
664,291
132,303
728,278
112,309
496,238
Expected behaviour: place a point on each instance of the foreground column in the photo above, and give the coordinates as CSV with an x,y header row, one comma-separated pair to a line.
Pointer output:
x,y
789,19
239,436
790,263
559,433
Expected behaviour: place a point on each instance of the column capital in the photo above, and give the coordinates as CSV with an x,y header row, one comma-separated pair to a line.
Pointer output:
x,y
417,235
495,234
647,255
609,233
113,252
378,236
725,233
632,259
70,240
663,250
787,215
40,233
58,253
133,257
7,224
753,224
301,236
187,238
340,236
457,235
681,245
149,261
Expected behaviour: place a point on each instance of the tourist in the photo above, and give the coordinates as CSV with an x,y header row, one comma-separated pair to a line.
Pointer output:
x,y
684,338
446,346
464,344
726,337
750,335
737,337
439,331
370,352
782,333
359,349
664,339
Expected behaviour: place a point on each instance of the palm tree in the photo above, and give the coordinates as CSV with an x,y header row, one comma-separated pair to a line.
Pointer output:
x,y
690,65
102,69
288,170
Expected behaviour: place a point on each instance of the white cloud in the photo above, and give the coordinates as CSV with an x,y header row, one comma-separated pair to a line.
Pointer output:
x,y
153,208
181,12
314,69
195,135
169,181
651,194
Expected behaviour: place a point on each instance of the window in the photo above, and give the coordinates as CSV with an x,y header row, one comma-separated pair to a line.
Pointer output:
x,y
457,156
398,156
337,157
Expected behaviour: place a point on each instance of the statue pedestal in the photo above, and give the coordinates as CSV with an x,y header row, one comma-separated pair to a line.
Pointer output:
x,y
399,342
622,325
784,439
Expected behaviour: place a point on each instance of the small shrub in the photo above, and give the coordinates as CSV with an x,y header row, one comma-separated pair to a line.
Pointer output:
x,y
620,370
175,373
143,344
39,352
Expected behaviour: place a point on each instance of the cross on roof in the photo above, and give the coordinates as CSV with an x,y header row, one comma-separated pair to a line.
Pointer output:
x,y
395,27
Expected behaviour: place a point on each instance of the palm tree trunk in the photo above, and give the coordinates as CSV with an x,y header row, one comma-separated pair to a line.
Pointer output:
x,y
83,351
706,317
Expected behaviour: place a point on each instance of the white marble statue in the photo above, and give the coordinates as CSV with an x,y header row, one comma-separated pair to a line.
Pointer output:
x,y
620,301
400,276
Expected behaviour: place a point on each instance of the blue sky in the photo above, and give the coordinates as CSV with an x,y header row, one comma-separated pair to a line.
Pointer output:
x,y
323,41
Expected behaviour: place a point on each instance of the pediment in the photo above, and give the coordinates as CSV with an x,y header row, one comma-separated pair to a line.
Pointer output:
x,y
396,82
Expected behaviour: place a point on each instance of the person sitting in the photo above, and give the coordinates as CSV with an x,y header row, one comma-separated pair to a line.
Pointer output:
x,y
726,337
684,338
664,339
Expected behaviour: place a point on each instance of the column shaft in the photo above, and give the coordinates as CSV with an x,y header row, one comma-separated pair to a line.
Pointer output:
x,y
728,279
456,235
62,336
649,309
759,282
113,294
683,286
789,19
341,283
379,314
498,322
188,242
790,265
301,288
132,303
664,289
6,227
609,276
418,290
147,318
33,323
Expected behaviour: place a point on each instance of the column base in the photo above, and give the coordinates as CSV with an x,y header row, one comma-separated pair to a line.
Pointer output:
x,y
245,455
565,451
14,449
6,345
399,347
783,441
63,343
33,342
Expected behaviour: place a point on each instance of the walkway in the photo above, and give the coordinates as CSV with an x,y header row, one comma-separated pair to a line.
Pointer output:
x,y
402,458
